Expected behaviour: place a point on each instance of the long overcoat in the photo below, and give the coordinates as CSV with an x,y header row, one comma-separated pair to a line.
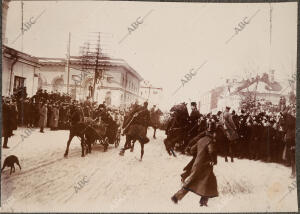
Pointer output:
x,y
43,116
202,180
7,126
54,118
230,128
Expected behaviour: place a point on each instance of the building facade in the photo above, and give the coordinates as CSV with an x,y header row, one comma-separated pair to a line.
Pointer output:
x,y
264,88
18,70
153,95
119,85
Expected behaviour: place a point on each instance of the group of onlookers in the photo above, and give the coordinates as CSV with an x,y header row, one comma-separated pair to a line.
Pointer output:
x,y
46,110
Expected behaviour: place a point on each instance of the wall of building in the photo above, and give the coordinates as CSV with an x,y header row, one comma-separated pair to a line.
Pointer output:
x,y
205,103
19,69
6,65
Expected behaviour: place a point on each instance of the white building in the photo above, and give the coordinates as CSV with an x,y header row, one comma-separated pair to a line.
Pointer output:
x,y
119,85
231,93
153,95
18,70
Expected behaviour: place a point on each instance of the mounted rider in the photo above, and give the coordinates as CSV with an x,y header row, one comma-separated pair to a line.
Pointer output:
x,y
193,124
177,127
138,122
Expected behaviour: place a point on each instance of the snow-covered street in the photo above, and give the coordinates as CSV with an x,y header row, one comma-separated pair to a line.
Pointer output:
x,y
48,182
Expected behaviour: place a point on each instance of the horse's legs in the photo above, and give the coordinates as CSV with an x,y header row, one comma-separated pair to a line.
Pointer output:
x,y
142,150
167,146
105,146
173,153
126,145
89,145
226,153
154,133
132,146
68,144
231,150
82,146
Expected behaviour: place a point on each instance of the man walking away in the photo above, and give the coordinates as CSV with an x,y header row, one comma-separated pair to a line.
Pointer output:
x,y
201,179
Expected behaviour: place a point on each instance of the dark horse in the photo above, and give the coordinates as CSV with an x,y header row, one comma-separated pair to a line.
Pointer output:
x,y
155,120
177,127
136,130
88,134
78,130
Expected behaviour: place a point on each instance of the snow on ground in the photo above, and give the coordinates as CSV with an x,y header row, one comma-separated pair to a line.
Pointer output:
x,y
116,183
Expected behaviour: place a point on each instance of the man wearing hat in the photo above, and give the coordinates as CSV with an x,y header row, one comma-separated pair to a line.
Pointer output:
x,y
194,117
199,177
195,114
230,131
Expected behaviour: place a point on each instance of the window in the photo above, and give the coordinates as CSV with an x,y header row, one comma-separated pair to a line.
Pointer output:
x,y
19,82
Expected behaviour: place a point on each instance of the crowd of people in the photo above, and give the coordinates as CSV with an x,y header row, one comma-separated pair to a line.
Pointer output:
x,y
52,110
261,134
258,135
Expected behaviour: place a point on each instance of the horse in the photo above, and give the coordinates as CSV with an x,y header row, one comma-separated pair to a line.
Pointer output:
x,y
96,132
155,120
78,130
136,130
88,132
177,128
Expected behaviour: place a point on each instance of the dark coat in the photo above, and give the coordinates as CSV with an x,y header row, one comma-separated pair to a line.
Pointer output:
x,y
290,128
7,126
154,117
54,117
230,127
193,127
43,116
75,117
14,116
194,116
202,180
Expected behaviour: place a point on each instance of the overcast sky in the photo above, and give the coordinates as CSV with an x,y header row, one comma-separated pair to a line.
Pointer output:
x,y
173,38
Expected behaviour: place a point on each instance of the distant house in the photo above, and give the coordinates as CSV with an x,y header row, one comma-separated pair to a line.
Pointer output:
x,y
231,93
150,93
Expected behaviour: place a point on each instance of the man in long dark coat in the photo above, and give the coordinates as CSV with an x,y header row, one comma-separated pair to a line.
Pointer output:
x,y
43,117
193,124
290,139
155,114
230,130
6,123
201,179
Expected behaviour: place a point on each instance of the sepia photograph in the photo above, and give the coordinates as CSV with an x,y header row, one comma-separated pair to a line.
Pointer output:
x,y
135,106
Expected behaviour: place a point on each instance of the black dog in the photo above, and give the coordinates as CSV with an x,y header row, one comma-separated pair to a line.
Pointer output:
x,y
10,162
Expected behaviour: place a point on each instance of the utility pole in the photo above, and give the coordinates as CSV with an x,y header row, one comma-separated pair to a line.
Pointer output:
x,y
68,62
91,55
270,54
97,73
